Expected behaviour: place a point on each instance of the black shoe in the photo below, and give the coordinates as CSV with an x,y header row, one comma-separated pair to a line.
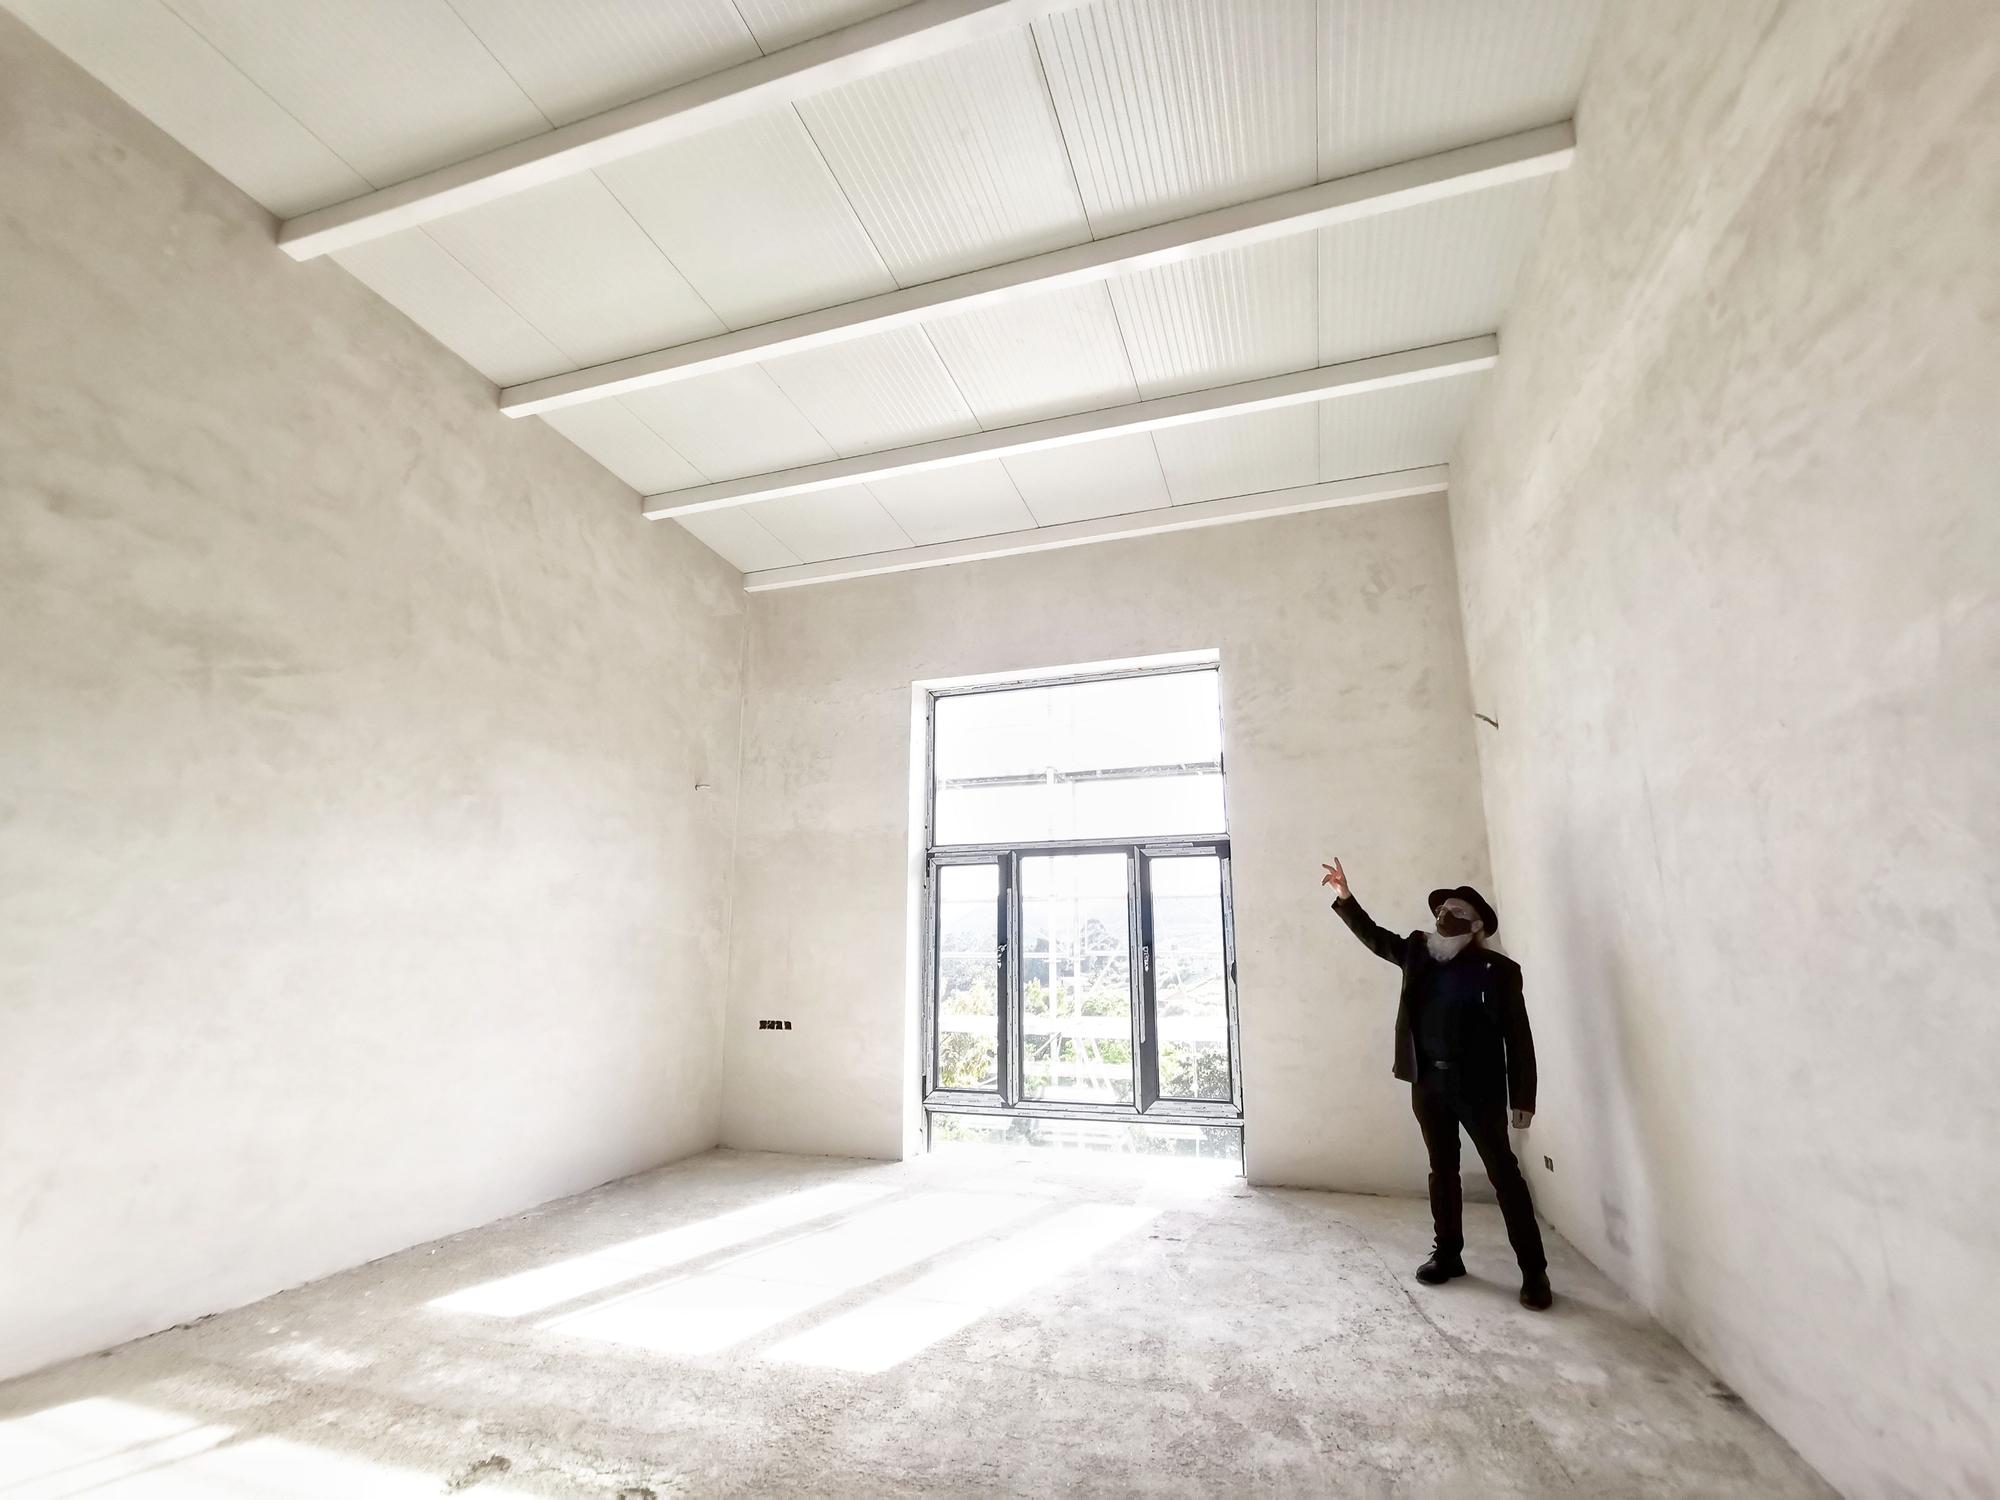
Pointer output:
x,y
1439,1269
1535,1291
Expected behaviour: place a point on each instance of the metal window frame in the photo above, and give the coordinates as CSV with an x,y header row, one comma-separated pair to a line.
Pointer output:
x,y
934,959
1103,773
1006,1100
1148,853
1029,680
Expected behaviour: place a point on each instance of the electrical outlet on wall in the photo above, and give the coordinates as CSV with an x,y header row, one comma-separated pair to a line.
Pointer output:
x,y
1549,1162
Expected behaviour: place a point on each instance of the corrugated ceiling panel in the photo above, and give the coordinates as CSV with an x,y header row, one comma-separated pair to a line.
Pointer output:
x,y
1404,78
394,86
735,536
1039,357
786,23
878,392
1105,478
1425,275
1174,108
164,69
943,186
1246,455
583,56
1219,319
616,438
411,271
571,261
831,523
731,423
1404,428
751,217
945,505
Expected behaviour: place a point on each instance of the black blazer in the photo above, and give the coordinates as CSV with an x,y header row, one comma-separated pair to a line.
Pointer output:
x,y
1413,956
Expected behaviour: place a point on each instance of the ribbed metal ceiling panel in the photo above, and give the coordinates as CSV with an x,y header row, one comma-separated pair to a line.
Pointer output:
x,y
752,218
944,187
1173,108
1403,78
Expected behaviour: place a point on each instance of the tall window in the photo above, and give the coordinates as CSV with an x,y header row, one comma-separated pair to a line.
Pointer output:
x,y
1082,957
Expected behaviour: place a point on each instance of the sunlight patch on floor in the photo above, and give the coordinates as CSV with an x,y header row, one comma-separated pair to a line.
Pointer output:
x,y
885,1332
711,1310
565,1280
104,1447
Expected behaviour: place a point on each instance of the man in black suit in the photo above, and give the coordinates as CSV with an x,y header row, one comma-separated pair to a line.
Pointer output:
x,y
1463,1046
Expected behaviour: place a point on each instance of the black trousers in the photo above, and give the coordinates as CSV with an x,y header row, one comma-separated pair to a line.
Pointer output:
x,y
1442,1107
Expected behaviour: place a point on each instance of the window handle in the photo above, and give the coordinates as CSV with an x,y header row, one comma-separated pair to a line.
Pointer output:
x,y
1145,967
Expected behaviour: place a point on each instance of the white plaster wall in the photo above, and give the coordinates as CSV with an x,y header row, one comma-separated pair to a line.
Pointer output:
x,y
1346,728
1728,527
353,884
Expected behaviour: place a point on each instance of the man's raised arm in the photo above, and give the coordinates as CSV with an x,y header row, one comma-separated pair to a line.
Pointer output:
x,y
1379,940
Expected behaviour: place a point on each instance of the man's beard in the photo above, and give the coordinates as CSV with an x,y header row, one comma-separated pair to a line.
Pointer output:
x,y
1445,949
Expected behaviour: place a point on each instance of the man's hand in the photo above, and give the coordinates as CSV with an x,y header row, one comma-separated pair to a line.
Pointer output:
x,y
1337,878
1523,1118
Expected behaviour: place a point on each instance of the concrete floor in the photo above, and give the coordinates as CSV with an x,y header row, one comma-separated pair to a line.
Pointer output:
x,y
760,1325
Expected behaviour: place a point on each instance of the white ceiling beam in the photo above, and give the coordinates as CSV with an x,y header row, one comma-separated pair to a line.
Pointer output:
x,y
1356,377
902,36
1514,158
1427,481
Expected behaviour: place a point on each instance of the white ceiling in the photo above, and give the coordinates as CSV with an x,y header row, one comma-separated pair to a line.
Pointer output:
x,y
1096,119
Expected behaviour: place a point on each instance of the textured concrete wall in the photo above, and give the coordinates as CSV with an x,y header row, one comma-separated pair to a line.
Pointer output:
x,y
353,883
1347,730
1728,528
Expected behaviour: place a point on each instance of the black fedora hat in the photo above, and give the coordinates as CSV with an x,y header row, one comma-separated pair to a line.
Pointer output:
x,y
1471,898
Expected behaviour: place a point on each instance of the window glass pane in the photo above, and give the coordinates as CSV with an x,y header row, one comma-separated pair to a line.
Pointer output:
x,y
1076,974
1146,809
994,815
968,977
1191,999
1017,1134
1123,757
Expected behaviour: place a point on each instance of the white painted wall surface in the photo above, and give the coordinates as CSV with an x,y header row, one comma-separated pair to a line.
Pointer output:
x,y
1346,729
353,884
1728,526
